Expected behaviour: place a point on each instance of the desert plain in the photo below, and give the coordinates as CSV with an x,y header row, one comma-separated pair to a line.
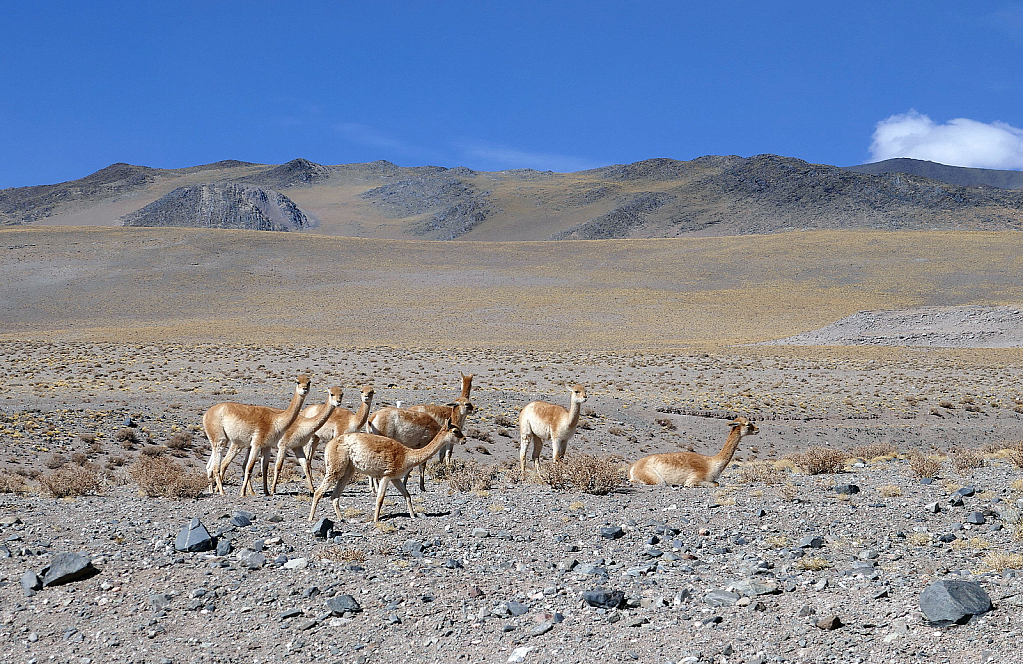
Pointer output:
x,y
107,329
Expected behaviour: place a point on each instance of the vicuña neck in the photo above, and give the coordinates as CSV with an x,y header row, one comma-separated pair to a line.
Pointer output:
x,y
416,457
722,458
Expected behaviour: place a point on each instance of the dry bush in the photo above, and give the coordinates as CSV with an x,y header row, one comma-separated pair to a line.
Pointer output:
x,y
964,460
478,434
338,554
70,481
127,437
1014,453
96,447
923,466
889,490
180,441
12,483
79,458
667,423
616,431
152,450
760,471
505,421
161,476
788,491
813,564
820,460
1000,561
467,475
55,461
88,437
919,539
583,472
875,450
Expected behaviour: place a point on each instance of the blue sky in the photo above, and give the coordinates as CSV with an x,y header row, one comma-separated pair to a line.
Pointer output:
x,y
494,85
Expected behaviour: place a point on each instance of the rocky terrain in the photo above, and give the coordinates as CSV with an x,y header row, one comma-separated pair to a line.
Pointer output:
x,y
707,196
223,205
774,565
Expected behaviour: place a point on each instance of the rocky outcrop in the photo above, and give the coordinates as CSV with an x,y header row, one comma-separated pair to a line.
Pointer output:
x,y
223,205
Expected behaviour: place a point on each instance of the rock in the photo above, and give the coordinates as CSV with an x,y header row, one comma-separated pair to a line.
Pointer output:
x,y
224,547
241,520
955,500
953,601
67,567
542,628
604,599
297,563
159,601
516,608
291,613
966,491
846,489
947,537
753,587
30,583
251,559
976,518
453,564
721,598
806,610
340,604
322,527
811,542
194,537
591,569
480,532
612,532
519,654
413,547
831,622
933,508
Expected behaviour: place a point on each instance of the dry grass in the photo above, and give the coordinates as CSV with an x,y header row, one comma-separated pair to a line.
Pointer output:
x,y
70,481
583,472
12,483
161,476
777,541
971,543
788,491
820,460
813,564
890,490
1014,453
340,554
924,466
964,460
55,461
919,539
760,471
1000,560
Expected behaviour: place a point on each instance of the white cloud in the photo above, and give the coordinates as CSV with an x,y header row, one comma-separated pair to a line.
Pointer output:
x,y
958,142
366,135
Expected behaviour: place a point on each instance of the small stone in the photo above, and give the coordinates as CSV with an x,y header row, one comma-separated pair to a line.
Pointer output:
x,y
519,654
806,610
340,604
612,532
30,583
831,622
947,537
322,527
291,613
193,537
159,601
453,564
297,563
956,500
811,542
880,594
976,518
240,521
68,567
604,599
966,491
933,508
517,608
753,587
721,598
475,592
224,547
846,489
542,628
251,559
926,480
480,532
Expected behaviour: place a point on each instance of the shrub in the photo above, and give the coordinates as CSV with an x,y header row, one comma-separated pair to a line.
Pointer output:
x,y
89,437
667,423
820,460
875,450
889,491
505,421
1000,561
760,471
788,491
161,476
467,475
1014,453
923,466
79,458
70,481
478,434
616,431
11,483
126,435
813,564
152,451
180,441
964,459
55,461
583,472
337,554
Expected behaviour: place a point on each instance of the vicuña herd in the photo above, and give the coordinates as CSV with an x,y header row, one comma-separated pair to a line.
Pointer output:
x,y
392,442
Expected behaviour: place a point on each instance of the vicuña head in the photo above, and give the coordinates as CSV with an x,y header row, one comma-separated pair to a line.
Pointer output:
x,y
689,468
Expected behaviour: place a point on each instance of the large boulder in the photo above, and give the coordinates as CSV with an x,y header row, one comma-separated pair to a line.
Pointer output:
x,y
953,601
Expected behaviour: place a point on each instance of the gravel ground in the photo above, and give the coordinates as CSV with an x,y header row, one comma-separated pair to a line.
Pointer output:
x,y
498,575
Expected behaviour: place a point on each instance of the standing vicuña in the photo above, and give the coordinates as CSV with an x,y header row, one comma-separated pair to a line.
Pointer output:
x,y
689,468
237,425
416,429
341,420
441,413
383,459
297,436
540,421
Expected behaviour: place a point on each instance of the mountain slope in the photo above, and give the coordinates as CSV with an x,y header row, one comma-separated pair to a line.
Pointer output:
x,y
708,196
958,175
